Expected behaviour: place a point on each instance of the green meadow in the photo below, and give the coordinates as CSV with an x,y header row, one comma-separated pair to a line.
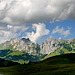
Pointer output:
x,y
57,65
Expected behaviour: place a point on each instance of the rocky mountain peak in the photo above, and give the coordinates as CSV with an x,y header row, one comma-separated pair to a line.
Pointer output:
x,y
52,44
47,47
23,44
25,39
13,40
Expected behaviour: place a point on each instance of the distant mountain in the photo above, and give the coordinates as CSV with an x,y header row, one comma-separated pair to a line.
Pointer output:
x,y
51,44
23,50
20,50
67,47
21,45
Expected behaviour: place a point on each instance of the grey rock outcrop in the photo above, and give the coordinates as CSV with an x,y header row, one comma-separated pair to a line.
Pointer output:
x,y
29,47
23,45
50,45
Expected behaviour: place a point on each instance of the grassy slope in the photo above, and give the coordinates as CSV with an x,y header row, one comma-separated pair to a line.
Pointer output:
x,y
18,56
2,47
59,52
67,48
58,65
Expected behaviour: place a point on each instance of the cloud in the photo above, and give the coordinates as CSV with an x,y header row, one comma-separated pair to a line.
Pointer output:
x,y
40,32
7,35
35,11
61,31
9,26
16,28
10,31
60,38
16,14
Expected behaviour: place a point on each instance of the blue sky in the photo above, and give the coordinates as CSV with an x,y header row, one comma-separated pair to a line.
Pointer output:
x,y
37,19
66,24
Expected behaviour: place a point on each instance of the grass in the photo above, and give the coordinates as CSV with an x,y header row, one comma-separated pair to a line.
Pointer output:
x,y
57,65
6,47
16,52
57,52
18,56
1,46
22,61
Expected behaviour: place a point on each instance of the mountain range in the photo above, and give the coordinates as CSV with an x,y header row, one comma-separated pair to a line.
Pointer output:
x,y
23,50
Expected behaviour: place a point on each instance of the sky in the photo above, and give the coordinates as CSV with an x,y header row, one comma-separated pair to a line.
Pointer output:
x,y
37,19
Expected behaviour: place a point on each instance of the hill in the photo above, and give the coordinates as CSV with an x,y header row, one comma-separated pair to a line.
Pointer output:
x,y
19,56
20,50
57,65
67,48
6,63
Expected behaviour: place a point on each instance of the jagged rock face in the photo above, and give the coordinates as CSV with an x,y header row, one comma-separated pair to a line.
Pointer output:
x,y
47,47
69,41
27,47
50,45
23,45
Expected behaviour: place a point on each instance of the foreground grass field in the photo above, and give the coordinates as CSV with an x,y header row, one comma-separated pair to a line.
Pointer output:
x,y
58,65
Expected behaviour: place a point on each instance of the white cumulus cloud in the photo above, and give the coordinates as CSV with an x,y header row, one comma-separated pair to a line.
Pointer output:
x,y
40,30
10,31
61,31
18,13
35,11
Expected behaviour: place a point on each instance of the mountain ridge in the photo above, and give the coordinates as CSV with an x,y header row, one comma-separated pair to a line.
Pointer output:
x,y
23,49
28,46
